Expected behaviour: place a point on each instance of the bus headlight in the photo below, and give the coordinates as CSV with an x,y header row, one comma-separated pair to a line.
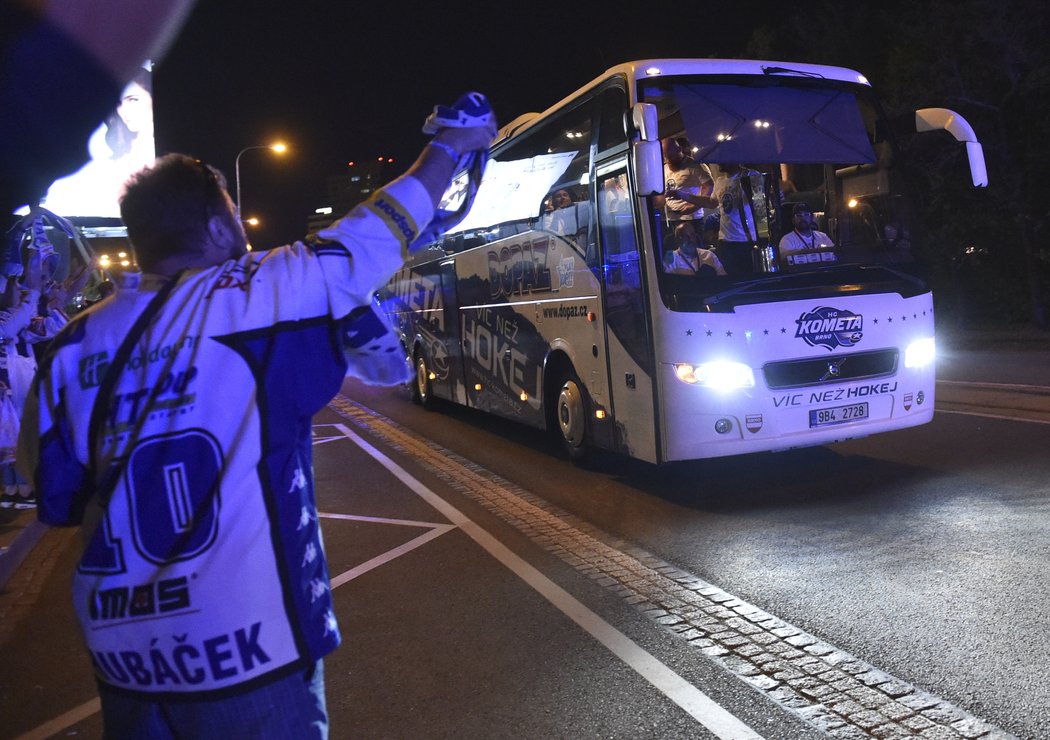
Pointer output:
x,y
720,375
920,353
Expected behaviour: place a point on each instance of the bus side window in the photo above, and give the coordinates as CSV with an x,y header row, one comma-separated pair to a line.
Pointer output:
x,y
618,238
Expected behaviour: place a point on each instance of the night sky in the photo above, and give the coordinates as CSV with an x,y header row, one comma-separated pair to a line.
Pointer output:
x,y
341,81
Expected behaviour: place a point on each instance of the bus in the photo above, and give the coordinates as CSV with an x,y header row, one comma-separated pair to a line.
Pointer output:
x,y
551,304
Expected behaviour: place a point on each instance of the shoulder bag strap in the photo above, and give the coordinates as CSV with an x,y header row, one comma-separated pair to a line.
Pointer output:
x,y
109,383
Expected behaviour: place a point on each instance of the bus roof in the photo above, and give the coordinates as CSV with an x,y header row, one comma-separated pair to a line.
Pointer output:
x,y
649,68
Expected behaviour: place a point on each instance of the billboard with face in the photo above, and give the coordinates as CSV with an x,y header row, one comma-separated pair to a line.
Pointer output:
x,y
122,145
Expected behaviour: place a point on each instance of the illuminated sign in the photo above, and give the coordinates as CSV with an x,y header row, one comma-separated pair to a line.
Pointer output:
x,y
120,147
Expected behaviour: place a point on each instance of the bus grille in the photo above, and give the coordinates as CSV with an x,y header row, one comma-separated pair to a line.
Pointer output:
x,y
835,369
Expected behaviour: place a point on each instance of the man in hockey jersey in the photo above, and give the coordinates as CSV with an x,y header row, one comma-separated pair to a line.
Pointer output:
x,y
172,421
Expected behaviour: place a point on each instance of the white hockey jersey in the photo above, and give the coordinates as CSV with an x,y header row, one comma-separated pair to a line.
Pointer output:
x,y
203,569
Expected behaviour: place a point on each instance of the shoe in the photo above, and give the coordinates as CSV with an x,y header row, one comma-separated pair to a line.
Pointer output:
x,y
22,497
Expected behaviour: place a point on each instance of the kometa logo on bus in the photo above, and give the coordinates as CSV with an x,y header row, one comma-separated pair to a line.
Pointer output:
x,y
830,327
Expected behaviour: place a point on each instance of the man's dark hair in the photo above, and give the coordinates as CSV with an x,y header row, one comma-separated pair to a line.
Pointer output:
x,y
166,207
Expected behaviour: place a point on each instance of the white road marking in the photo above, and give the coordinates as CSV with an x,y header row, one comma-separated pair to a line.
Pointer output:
x,y
436,530
63,721
996,386
994,416
697,704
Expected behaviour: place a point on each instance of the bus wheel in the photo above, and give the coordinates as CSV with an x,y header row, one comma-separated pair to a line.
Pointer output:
x,y
570,416
422,391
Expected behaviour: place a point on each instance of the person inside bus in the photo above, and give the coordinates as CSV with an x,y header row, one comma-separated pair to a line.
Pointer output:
x,y
804,237
743,221
691,257
568,217
709,231
688,183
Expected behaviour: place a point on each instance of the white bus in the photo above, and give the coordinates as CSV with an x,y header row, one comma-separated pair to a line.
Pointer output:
x,y
551,303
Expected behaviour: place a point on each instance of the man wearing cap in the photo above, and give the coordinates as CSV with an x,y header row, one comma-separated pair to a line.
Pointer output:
x,y
803,238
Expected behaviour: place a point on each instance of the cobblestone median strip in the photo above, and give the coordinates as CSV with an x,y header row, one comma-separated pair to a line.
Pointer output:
x,y
829,688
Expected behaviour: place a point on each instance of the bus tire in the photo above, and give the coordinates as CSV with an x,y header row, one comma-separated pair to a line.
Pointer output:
x,y
422,390
569,416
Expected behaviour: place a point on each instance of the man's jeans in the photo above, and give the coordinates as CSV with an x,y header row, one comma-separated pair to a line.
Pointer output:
x,y
291,708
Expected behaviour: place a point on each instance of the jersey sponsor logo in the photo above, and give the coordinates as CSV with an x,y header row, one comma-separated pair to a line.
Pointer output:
x,y
132,602
830,327
393,215
92,369
238,275
126,408
162,353
180,661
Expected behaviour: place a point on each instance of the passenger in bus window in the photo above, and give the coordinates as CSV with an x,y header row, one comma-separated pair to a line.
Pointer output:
x,y
690,257
569,218
614,191
743,220
709,231
555,201
689,183
804,237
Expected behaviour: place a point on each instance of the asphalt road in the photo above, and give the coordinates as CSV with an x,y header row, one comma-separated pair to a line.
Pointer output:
x,y
495,591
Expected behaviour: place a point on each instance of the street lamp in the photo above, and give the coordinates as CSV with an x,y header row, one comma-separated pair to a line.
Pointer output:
x,y
279,148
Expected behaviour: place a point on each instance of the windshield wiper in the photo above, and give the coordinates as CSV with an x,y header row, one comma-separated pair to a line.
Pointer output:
x,y
741,288
770,281
789,71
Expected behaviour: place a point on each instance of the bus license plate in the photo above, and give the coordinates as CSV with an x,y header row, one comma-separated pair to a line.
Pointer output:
x,y
838,414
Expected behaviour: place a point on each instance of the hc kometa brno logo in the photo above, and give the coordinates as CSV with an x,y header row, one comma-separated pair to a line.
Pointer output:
x,y
830,327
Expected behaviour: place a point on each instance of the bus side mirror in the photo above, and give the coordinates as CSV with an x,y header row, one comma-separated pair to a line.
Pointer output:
x,y
942,119
644,120
646,152
648,166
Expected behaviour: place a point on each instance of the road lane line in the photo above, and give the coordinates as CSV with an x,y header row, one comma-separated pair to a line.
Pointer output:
x,y
1001,417
696,703
63,721
1022,387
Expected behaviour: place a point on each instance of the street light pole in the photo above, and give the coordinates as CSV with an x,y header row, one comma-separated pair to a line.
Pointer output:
x,y
278,147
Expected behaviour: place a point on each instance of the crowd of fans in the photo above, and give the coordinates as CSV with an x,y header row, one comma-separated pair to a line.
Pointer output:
x,y
32,310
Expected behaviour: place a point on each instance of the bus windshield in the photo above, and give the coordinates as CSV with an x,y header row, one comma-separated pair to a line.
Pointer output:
x,y
797,174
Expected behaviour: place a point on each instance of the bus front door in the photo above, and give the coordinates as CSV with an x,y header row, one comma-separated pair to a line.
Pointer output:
x,y
628,345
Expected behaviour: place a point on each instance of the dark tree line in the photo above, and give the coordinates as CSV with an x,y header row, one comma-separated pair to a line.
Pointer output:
x,y
989,249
